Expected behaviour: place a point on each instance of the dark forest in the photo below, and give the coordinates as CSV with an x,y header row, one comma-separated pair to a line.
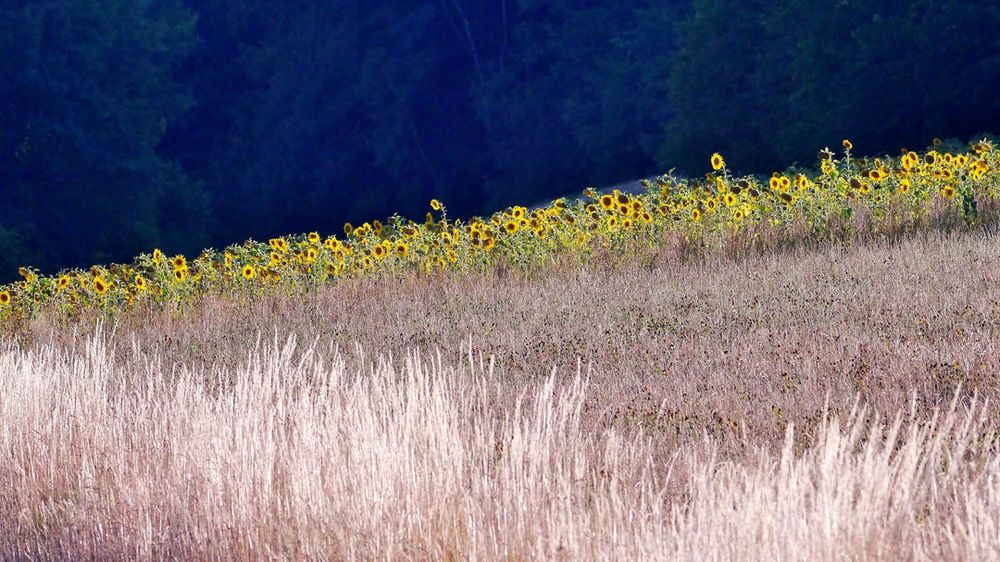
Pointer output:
x,y
133,124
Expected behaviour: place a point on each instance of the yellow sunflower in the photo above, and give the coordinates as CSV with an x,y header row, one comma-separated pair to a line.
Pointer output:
x,y
100,285
718,162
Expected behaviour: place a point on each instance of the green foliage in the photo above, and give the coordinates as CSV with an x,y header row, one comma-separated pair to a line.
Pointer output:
x,y
765,81
189,123
87,94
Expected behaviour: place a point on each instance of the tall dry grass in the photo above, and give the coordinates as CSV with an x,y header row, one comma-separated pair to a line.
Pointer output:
x,y
330,457
735,347
660,409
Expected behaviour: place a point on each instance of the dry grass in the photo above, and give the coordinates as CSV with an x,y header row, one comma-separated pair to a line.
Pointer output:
x,y
663,432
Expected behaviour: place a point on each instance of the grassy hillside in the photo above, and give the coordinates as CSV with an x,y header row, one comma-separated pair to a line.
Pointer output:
x,y
659,406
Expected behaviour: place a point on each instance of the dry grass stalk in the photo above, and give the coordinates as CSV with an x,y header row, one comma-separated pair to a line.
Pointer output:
x,y
205,436
310,459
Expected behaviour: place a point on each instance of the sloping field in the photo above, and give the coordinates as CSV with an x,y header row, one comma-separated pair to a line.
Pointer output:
x,y
832,403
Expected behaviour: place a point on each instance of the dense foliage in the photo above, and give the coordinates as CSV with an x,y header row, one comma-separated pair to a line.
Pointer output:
x,y
128,124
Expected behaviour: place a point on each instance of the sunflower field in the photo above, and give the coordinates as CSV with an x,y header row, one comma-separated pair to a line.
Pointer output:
x,y
820,202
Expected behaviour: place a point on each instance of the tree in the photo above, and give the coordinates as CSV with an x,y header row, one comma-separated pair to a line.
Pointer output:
x,y
87,94
769,82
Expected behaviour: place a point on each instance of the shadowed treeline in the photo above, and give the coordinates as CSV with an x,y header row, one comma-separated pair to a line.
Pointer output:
x,y
191,123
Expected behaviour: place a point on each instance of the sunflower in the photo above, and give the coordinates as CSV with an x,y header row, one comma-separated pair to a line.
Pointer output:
x,y
140,282
904,186
279,244
248,272
64,281
180,274
348,228
696,214
948,191
489,243
402,250
848,145
511,227
4,298
311,254
100,285
379,252
178,261
607,201
314,237
729,199
435,204
718,162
